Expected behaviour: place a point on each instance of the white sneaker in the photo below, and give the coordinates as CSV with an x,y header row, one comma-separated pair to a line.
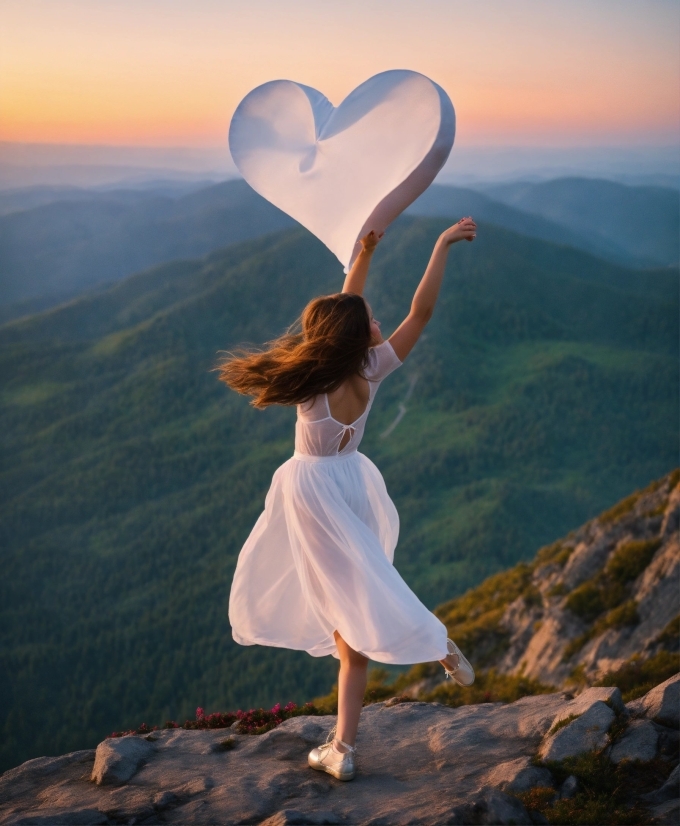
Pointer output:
x,y
463,673
326,759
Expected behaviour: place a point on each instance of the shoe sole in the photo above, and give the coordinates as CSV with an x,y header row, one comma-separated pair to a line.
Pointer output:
x,y
338,775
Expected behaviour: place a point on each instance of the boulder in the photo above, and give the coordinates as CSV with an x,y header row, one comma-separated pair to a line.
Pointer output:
x,y
669,791
640,741
587,732
666,814
661,703
609,695
569,788
518,776
490,806
118,759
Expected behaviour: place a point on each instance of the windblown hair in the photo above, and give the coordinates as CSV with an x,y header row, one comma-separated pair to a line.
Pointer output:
x,y
333,345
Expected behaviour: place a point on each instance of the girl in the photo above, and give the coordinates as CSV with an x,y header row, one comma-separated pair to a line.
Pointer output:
x,y
316,572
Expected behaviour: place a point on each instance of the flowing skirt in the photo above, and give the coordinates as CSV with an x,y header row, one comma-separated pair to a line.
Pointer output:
x,y
319,559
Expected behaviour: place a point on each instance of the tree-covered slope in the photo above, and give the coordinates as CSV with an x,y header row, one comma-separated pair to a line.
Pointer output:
x,y
544,390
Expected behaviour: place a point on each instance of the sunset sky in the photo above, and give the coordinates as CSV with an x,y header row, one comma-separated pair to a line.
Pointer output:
x,y
171,72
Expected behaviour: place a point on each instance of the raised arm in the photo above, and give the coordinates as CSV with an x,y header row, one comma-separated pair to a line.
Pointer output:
x,y
409,331
356,277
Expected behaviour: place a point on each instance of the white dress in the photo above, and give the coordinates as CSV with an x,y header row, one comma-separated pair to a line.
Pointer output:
x,y
319,558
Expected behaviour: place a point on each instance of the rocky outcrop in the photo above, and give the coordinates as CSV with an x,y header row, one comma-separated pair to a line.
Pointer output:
x,y
586,606
419,763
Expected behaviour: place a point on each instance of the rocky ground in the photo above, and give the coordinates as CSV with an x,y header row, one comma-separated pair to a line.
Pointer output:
x,y
419,763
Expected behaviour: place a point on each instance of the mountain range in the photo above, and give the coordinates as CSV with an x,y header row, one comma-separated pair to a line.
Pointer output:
x,y
57,242
545,389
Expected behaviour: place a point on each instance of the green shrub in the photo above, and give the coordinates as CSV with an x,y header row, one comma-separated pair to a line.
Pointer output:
x,y
532,596
625,614
670,636
489,687
586,601
608,795
621,509
631,559
495,592
637,676
558,590
556,553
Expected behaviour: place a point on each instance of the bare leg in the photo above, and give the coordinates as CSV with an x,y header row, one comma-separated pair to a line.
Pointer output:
x,y
351,688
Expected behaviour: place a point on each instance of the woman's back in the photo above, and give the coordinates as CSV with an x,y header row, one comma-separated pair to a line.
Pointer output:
x,y
319,433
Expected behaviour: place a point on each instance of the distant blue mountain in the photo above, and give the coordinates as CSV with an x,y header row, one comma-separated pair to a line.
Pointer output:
x,y
70,245
635,223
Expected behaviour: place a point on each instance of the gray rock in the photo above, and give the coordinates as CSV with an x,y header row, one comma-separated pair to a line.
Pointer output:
x,y
669,791
569,788
118,759
586,733
667,814
640,741
76,817
669,742
291,817
166,800
15,781
609,695
661,703
492,807
518,776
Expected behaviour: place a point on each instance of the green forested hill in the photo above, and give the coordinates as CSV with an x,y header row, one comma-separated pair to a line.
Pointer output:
x,y
544,390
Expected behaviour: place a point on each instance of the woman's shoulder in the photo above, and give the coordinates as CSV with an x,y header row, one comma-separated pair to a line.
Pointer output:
x,y
382,360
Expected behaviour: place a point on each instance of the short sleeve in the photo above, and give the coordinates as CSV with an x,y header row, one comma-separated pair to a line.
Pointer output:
x,y
382,360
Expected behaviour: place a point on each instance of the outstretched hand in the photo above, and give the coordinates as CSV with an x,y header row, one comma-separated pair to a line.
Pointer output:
x,y
370,242
465,229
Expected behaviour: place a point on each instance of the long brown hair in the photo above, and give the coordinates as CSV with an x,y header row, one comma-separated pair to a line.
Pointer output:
x,y
332,346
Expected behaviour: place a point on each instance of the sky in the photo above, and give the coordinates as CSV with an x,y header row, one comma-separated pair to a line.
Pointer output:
x,y
169,73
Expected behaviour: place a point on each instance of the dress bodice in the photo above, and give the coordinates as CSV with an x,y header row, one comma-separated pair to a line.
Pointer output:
x,y
317,433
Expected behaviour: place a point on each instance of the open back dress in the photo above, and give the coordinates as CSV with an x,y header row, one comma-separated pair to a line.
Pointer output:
x,y
319,558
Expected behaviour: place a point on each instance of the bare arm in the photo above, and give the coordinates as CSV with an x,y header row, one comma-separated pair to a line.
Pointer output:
x,y
356,277
409,331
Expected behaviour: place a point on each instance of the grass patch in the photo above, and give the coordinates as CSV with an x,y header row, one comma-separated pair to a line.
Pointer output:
x,y
670,636
586,601
563,723
620,617
557,554
558,590
473,619
227,744
608,793
621,509
637,676
631,559
625,614
489,687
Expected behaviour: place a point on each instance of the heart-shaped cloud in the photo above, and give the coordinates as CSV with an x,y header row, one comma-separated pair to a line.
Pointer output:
x,y
343,171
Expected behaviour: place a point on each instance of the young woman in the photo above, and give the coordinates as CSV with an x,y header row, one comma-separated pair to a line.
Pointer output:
x,y
316,572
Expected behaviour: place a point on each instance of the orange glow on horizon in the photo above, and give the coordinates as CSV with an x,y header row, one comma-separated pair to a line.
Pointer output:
x,y
171,74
